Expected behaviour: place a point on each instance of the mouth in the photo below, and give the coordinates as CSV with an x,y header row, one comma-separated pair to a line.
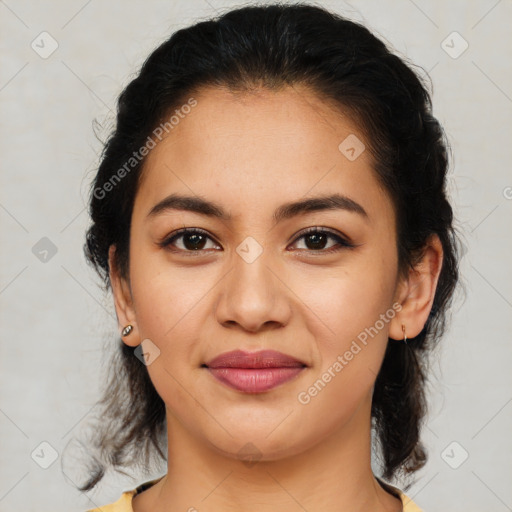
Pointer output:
x,y
255,372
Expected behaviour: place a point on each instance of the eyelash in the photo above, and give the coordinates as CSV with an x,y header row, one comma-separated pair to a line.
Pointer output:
x,y
166,243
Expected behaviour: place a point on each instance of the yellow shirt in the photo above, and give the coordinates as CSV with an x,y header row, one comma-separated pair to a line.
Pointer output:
x,y
124,503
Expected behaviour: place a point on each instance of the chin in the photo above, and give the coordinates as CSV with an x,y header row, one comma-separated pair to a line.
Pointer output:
x,y
257,446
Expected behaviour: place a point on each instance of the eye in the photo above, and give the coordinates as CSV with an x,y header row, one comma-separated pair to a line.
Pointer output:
x,y
316,239
193,240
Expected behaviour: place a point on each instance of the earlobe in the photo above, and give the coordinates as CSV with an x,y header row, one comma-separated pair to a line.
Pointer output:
x,y
416,294
123,303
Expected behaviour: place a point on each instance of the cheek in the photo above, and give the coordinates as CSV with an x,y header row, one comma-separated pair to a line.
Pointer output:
x,y
345,302
351,351
170,312
168,298
349,313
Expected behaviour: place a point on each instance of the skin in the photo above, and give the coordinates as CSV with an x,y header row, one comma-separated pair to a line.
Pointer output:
x,y
251,153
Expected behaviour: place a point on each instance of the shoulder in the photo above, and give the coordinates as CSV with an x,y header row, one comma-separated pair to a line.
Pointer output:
x,y
407,504
123,504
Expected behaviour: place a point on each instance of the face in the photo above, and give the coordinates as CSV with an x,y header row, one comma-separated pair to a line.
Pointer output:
x,y
251,281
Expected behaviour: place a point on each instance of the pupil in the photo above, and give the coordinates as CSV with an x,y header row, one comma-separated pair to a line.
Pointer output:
x,y
318,239
196,241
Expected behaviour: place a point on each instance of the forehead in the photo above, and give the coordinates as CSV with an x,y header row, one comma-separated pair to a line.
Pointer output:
x,y
262,147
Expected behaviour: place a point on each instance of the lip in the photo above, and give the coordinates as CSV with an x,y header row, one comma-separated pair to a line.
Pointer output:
x,y
254,372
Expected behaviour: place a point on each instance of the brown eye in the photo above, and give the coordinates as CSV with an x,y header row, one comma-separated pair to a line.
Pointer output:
x,y
196,240
193,240
315,240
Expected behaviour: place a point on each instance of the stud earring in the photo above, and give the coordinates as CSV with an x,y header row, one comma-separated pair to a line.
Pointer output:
x,y
127,330
405,335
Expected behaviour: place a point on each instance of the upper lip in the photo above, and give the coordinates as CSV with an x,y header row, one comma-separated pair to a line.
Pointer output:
x,y
261,359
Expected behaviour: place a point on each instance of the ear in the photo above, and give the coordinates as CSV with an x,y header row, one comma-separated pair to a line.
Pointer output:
x,y
123,301
416,292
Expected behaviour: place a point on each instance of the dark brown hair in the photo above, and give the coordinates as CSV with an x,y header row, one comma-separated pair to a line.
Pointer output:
x,y
273,46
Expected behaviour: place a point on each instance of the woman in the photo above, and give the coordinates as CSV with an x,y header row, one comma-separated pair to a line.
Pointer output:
x,y
270,214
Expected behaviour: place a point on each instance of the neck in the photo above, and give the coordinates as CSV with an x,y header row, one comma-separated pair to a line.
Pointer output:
x,y
334,475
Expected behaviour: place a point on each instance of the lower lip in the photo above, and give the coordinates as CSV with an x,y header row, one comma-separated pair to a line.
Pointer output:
x,y
254,380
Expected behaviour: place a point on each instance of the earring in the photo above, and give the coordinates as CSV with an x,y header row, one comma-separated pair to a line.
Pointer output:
x,y
405,335
127,330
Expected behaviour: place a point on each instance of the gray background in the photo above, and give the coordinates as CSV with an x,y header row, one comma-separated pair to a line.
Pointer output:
x,y
55,320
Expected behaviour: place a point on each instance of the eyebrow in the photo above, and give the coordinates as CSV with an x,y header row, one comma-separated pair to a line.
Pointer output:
x,y
286,211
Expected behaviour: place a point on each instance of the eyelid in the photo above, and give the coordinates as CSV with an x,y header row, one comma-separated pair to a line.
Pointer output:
x,y
166,241
343,240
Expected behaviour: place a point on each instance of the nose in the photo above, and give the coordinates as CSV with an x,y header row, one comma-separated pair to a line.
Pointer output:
x,y
252,297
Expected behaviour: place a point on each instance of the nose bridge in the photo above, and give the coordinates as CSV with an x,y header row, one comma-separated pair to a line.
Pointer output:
x,y
251,294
